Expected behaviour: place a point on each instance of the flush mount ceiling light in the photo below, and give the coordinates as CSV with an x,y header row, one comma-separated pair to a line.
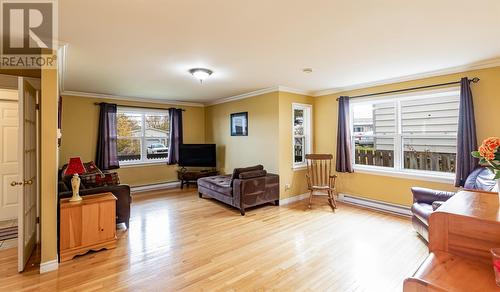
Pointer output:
x,y
307,70
200,73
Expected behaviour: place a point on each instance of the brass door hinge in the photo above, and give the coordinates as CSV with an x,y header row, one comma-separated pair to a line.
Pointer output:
x,y
37,107
37,220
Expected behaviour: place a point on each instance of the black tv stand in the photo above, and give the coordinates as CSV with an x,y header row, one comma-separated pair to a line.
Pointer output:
x,y
191,176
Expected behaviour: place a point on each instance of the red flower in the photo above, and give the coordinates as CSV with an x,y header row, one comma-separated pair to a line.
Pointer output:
x,y
492,143
486,153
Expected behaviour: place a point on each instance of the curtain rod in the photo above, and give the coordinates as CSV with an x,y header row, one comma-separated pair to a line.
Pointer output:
x,y
473,80
144,107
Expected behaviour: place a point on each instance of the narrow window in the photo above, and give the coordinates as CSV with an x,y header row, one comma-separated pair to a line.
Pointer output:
x,y
301,133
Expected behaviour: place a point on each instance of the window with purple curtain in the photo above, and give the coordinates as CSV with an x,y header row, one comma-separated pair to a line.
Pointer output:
x,y
106,154
175,136
466,139
344,159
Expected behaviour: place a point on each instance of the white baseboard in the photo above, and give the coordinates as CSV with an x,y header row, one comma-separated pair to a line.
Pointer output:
x,y
376,205
294,199
49,266
154,187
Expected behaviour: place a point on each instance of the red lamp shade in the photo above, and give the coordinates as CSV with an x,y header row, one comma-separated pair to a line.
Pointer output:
x,y
75,166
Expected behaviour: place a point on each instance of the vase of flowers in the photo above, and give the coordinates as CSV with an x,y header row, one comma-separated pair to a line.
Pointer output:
x,y
489,155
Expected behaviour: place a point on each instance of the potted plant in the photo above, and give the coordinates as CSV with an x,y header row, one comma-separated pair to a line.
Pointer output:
x,y
489,155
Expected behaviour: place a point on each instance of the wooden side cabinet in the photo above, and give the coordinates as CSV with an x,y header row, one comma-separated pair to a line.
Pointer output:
x,y
87,225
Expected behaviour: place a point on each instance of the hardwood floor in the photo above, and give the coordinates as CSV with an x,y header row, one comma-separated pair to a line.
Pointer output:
x,y
178,241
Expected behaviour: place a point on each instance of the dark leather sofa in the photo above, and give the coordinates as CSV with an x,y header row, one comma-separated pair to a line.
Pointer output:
x,y
120,191
426,201
246,187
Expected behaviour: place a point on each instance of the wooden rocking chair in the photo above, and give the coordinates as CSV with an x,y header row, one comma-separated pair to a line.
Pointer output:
x,y
319,177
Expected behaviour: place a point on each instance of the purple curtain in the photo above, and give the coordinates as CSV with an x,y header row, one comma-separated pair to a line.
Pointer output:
x,y
106,154
467,141
344,160
175,137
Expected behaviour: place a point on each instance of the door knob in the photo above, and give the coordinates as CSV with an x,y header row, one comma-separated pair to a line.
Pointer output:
x,y
28,182
15,183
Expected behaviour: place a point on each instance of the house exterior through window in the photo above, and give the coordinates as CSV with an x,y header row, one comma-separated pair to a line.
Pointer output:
x,y
412,133
142,135
301,133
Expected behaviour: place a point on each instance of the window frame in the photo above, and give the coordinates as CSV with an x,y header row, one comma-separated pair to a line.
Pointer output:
x,y
398,170
143,112
307,133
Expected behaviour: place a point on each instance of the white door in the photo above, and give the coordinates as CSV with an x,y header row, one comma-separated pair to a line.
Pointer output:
x,y
9,171
28,170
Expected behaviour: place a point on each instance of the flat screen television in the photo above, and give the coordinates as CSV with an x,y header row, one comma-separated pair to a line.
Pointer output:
x,y
201,155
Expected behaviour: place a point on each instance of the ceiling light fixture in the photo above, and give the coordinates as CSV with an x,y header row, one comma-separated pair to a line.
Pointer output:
x,y
200,73
307,70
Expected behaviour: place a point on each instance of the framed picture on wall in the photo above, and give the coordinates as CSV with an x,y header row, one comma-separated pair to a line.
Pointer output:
x,y
239,124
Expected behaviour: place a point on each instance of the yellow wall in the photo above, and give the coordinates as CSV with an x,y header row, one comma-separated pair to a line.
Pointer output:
x,y
80,123
397,190
295,178
261,144
269,141
48,168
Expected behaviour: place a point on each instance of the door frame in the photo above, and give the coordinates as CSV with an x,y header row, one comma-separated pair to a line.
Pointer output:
x,y
35,83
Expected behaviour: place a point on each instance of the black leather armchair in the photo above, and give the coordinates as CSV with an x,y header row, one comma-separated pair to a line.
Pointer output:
x,y
426,201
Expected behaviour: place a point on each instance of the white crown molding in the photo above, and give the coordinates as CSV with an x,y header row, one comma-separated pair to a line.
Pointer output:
x,y
278,88
184,103
130,98
243,96
294,90
458,69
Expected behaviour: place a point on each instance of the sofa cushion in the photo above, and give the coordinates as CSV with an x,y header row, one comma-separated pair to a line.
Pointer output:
x,y
422,211
90,167
482,179
94,180
237,171
218,183
252,174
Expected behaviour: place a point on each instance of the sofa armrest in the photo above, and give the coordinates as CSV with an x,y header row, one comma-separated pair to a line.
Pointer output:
x,y
61,187
436,205
247,187
120,191
423,195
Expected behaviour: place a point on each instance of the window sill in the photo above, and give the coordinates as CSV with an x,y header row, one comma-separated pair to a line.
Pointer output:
x,y
416,175
142,164
298,167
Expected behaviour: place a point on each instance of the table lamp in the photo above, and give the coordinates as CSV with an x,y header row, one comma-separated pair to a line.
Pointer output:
x,y
75,167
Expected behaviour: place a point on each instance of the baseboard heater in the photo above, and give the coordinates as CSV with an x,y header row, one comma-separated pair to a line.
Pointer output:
x,y
155,187
375,205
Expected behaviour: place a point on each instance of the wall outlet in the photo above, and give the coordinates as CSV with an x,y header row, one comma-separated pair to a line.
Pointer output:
x,y
287,187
